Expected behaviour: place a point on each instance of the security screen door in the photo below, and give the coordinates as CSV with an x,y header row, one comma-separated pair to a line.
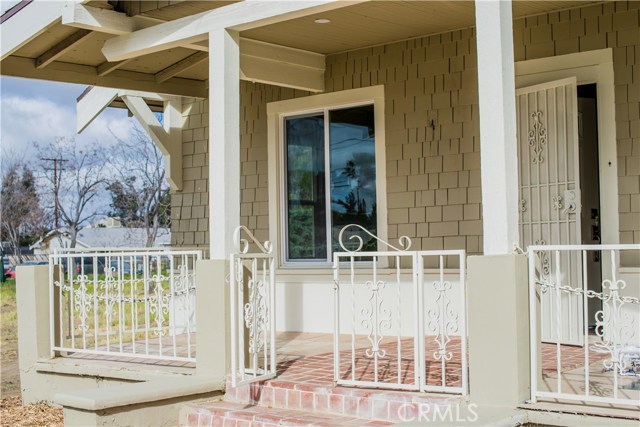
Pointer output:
x,y
548,156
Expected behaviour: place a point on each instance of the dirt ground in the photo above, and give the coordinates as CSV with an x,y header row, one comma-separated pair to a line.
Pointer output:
x,y
12,413
9,345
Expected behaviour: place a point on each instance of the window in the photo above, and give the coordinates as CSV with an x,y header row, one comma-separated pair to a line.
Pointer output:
x,y
329,174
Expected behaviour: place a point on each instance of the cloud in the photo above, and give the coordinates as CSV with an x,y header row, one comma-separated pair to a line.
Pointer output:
x,y
29,120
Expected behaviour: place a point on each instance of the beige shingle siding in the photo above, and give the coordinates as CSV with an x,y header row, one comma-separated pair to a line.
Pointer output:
x,y
189,207
433,173
254,191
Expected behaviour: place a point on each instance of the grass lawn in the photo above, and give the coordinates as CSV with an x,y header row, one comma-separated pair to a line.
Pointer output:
x,y
9,332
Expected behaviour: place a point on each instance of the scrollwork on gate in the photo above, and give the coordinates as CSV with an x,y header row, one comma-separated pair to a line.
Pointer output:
x,y
256,315
443,319
377,318
537,137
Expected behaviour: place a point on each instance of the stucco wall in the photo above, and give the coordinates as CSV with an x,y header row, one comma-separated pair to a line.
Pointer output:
x,y
432,135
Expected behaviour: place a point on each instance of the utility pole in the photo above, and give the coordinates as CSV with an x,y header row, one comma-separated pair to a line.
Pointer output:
x,y
55,186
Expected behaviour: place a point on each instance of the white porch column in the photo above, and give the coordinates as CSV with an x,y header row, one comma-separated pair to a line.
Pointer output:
x,y
498,149
224,141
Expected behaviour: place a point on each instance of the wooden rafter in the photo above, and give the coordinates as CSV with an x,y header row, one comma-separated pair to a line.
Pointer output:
x,y
111,22
61,48
107,67
180,66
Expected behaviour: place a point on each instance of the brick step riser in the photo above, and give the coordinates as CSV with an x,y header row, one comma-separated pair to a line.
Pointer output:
x,y
381,405
214,417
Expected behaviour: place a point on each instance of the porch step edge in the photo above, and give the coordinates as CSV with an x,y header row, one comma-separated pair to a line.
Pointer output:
x,y
111,369
221,412
141,392
373,404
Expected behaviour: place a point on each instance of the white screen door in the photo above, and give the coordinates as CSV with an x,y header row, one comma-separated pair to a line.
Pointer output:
x,y
548,156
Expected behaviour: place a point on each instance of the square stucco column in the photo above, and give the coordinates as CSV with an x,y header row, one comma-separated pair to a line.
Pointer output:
x,y
34,326
212,317
498,319
498,149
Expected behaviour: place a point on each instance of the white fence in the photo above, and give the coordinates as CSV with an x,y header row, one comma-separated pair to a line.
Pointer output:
x,y
252,281
585,323
133,303
400,316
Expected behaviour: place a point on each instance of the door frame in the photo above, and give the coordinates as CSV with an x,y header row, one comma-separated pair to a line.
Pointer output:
x,y
588,67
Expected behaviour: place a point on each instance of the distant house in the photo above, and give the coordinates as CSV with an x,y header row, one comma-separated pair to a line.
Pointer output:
x,y
100,237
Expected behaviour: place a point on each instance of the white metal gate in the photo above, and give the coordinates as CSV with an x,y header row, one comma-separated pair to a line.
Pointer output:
x,y
400,316
549,178
253,339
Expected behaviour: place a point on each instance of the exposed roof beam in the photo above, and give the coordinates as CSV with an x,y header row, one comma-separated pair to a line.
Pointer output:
x,y
107,67
110,22
95,99
102,20
180,66
87,75
282,66
93,103
32,20
195,28
61,48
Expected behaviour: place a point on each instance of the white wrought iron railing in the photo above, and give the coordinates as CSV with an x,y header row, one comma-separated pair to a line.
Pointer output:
x,y
400,316
132,303
585,323
253,333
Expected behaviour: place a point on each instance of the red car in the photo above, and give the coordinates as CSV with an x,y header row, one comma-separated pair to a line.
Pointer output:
x,y
10,272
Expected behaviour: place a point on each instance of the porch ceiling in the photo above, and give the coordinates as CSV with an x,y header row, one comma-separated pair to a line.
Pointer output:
x,y
352,27
379,22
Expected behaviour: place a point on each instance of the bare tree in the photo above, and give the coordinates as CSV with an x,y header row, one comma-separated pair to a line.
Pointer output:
x,y
22,219
75,183
140,193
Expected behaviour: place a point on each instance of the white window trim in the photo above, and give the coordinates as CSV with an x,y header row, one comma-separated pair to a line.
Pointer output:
x,y
275,113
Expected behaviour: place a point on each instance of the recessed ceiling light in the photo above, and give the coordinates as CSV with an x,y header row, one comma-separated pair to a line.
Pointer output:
x,y
322,21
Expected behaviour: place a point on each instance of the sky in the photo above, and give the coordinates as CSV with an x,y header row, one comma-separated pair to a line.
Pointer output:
x,y
38,111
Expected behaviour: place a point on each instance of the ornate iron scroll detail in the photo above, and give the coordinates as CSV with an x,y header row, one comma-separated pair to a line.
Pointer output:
x,y
537,137
83,302
256,310
404,241
614,326
543,256
159,304
443,319
557,202
376,318
523,205
242,245
256,315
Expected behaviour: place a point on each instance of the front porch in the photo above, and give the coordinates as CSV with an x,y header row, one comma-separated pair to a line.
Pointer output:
x,y
380,374
466,135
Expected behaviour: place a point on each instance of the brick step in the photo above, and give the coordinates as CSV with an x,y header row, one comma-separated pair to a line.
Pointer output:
x,y
370,404
223,413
